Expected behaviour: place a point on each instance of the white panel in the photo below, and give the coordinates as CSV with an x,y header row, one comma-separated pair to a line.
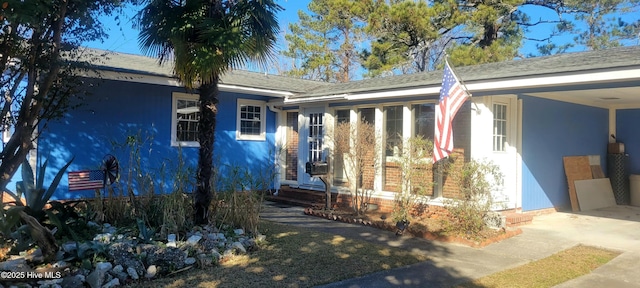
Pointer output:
x,y
594,194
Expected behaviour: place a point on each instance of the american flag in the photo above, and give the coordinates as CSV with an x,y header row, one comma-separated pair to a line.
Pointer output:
x,y
452,96
86,180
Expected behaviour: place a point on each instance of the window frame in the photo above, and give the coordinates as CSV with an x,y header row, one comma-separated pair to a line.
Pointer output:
x,y
499,139
393,157
174,119
263,120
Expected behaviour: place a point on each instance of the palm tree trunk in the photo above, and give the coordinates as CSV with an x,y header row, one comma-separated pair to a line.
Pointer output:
x,y
206,130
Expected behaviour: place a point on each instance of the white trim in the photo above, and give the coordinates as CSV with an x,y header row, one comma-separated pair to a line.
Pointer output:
x,y
493,85
395,93
518,199
263,120
175,96
378,177
314,99
546,81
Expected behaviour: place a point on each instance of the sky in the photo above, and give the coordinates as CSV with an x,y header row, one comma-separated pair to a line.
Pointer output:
x,y
124,38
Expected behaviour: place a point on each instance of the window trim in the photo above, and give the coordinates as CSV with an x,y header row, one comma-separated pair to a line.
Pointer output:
x,y
263,120
174,119
505,121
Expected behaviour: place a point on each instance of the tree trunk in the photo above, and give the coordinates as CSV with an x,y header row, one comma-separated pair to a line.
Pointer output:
x,y
43,237
206,130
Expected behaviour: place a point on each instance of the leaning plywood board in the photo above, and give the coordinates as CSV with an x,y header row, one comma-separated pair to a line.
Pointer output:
x,y
594,194
576,168
596,169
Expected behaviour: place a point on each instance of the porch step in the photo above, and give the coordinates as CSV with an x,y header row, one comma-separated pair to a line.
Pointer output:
x,y
291,201
517,219
301,197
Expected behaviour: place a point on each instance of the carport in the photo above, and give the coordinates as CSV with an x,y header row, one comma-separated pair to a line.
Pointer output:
x,y
572,109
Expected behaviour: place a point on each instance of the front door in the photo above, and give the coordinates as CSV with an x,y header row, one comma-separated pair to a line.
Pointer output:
x,y
505,149
313,149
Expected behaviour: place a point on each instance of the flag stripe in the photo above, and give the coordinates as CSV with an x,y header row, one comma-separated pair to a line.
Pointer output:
x,y
86,180
452,97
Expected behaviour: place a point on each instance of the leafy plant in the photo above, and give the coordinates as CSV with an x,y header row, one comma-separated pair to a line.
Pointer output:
x,y
70,224
476,180
32,187
146,233
413,163
240,200
9,219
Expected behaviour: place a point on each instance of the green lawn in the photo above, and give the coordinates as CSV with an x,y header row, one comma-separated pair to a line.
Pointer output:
x,y
547,272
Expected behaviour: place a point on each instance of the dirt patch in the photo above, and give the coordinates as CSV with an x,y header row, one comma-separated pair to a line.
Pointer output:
x,y
428,225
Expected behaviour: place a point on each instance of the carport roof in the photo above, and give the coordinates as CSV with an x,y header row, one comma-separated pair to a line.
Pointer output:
x,y
557,64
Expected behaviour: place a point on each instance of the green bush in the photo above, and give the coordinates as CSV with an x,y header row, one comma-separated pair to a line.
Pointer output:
x,y
476,180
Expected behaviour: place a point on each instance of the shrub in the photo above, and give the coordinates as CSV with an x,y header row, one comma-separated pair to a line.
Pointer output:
x,y
413,162
475,180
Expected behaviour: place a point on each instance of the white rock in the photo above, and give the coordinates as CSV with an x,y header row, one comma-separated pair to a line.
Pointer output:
x,y
194,239
215,254
118,269
113,283
106,266
60,264
171,240
132,273
13,265
151,271
50,282
238,247
189,261
238,231
221,236
69,247
261,238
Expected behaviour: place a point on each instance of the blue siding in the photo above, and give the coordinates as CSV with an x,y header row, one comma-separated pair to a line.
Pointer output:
x,y
118,110
628,132
550,130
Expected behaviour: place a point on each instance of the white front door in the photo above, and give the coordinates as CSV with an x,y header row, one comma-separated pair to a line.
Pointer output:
x,y
312,148
504,149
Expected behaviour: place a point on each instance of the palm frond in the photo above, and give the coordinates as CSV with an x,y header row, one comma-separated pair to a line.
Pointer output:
x,y
206,39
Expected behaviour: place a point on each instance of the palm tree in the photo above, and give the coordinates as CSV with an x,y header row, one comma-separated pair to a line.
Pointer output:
x,y
204,39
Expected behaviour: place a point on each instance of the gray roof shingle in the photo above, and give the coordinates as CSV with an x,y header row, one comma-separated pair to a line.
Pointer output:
x,y
142,65
556,64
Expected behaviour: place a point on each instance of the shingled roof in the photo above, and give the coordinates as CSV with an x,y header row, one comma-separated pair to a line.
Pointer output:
x,y
548,65
556,64
142,65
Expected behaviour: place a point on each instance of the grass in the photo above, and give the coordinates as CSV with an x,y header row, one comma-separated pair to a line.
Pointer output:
x,y
547,272
294,257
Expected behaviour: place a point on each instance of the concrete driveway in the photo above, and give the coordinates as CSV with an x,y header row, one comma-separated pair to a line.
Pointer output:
x,y
616,228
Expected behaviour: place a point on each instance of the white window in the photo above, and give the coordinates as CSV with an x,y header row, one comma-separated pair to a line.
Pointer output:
x,y
499,127
251,120
184,120
393,122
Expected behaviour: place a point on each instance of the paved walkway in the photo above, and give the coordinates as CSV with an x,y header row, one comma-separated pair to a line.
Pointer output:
x,y
451,264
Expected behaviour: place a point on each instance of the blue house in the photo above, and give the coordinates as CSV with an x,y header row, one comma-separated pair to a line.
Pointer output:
x,y
525,115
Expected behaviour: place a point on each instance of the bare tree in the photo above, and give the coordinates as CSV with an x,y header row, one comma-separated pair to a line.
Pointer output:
x,y
356,146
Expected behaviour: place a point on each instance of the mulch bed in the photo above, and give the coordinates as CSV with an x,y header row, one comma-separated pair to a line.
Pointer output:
x,y
428,226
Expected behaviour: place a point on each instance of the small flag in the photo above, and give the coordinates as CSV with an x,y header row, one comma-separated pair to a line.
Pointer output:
x,y
86,180
452,96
